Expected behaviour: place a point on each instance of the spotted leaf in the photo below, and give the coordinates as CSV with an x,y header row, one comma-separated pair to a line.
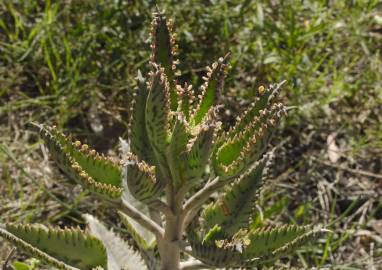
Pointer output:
x,y
63,248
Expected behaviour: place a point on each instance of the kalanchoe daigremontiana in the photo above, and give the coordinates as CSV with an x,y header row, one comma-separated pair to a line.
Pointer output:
x,y
175,158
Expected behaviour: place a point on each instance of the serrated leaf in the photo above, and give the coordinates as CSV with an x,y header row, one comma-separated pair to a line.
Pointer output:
x,y
157,113
100,168
248,249
120,254
264,99
178,145
163,52
234,208
141,179
289,247
211,90
211,254
139,141
180,136
186,99
265,241
87,167
248,146
196,158
232,147
63,248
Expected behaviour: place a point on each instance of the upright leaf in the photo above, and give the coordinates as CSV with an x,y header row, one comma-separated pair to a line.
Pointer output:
x,y
163,52
231,148
186,99
157,113
139,141
211,89
198,154
180,136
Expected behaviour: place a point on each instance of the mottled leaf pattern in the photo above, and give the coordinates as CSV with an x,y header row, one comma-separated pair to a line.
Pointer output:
x,y
197,156
141,179
264,240
266,96
234,208
139,141
211,90
212,254
164,51
70,246
86,166
178,146
157,113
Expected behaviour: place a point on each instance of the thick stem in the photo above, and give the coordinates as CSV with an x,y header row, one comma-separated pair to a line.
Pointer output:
x,y
171,251
168,246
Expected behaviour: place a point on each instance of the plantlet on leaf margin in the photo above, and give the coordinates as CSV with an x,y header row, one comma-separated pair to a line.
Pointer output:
x,y
176,156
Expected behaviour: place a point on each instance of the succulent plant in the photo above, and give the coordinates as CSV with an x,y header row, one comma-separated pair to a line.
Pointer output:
x,y
176,159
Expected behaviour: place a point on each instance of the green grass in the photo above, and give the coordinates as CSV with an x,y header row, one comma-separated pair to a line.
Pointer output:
x,y
73,63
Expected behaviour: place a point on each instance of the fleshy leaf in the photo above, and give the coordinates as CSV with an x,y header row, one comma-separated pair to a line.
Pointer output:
x,y
63,248
235,207
289,247
139,141
248,146
264,241
87,167
211,254
197,156
163,52
248,249
141,179
211,89
262,101
231,149
157,113
178,146
186,99
120,254
180,135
